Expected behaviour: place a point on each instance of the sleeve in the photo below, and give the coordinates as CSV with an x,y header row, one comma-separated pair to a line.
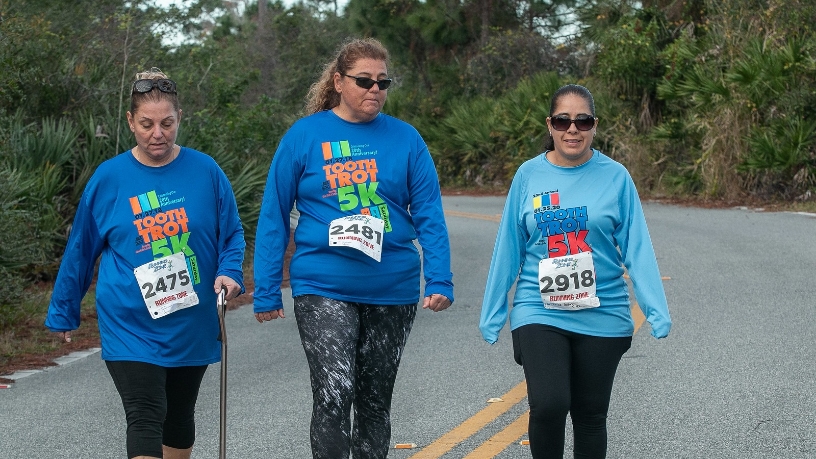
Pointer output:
x,y
508,253
231,242
429,222
272,235
76,271
639,258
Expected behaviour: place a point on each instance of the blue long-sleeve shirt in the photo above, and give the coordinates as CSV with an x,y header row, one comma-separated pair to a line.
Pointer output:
x,y
332,168
554,211
131,214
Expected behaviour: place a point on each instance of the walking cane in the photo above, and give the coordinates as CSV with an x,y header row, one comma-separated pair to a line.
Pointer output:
x,y
222,336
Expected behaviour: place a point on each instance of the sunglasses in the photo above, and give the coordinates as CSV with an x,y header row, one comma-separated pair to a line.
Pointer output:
x,y
582,122
367,83
164,85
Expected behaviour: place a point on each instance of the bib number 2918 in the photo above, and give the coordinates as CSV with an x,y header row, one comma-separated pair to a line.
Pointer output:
x,y
568,282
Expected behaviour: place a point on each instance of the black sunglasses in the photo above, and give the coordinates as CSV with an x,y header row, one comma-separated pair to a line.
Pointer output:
x,y
367,83
582,122
164,85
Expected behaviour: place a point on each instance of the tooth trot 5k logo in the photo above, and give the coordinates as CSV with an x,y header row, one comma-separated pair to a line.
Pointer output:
x,y
353,181
563,230
163,231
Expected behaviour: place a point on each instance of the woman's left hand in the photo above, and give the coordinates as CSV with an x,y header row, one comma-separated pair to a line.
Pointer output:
x,y
436,302
233,289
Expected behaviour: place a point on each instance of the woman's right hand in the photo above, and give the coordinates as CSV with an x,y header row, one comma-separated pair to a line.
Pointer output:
x,y
262,317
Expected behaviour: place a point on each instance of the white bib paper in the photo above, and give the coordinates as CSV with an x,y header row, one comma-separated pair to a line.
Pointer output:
x,y
166,285
361,232
568,282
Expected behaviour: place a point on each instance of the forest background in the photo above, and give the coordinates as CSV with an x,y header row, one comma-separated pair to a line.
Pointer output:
x,y
700,99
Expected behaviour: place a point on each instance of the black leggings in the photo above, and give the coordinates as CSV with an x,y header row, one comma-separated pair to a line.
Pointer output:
x,y
353,351
159,405
567,373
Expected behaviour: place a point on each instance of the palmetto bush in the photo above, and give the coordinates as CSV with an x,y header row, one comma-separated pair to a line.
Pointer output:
x,y
782,156
20,248
248,178
38,155
242,140
96,144
741,100
56,157
484,140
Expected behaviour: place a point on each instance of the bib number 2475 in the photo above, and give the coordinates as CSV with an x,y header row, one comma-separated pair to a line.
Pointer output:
x,y
166,285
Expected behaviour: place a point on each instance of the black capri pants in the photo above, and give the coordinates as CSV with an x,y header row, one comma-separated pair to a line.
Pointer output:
x,y
159,405
353,350
571,373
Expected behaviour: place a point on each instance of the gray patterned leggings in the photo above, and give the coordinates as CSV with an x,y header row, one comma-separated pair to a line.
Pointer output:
x,y
353,350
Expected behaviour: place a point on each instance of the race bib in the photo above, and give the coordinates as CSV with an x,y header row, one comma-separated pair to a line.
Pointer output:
x,y
568,282
166,285
361,232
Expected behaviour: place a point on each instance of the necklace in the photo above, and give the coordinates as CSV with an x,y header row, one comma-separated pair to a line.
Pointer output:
x,y
547,157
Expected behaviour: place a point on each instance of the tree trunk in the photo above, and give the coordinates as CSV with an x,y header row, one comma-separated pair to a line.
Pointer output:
x,y
267,62
487,6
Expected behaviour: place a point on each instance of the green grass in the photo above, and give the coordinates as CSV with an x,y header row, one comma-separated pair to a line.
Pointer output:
x,y
807,206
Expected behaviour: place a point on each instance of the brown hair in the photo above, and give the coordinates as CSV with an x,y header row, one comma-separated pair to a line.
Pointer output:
x,y
155,95
574,90
322,95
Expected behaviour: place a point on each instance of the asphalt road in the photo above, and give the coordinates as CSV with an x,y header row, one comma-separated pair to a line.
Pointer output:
x,y
735,379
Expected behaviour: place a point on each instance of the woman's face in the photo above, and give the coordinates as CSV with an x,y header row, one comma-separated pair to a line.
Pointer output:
x,y
155,126
573,146
359,105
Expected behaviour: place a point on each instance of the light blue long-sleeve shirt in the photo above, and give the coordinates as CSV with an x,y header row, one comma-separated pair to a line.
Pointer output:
x,y
554,211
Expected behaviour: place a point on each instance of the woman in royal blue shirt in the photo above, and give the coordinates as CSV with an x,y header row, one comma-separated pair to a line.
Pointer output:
x,y
164,219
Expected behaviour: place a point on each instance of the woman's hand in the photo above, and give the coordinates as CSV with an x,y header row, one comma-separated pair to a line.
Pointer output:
x,y
233,289
262,317
436,302
65,337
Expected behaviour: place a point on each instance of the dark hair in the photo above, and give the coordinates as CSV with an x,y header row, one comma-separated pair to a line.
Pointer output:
x,y
137,99
573,90
322,95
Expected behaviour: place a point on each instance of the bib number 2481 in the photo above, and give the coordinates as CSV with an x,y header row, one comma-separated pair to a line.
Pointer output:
x,y
361,232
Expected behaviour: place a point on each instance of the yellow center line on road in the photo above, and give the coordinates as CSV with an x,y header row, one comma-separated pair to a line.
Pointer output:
x,y
637,316
476,422
456,213
499,442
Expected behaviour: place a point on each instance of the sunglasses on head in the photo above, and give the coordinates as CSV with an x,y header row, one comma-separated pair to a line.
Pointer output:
x,y
582,122
367,83
164,85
